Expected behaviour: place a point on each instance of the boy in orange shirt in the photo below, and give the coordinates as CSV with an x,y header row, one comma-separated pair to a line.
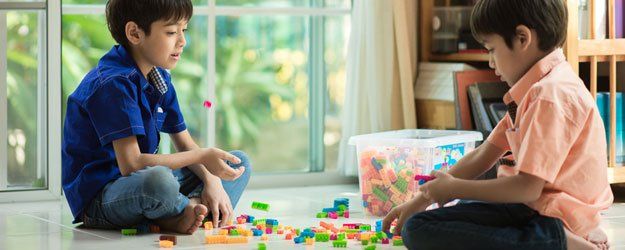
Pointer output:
x,y
552,186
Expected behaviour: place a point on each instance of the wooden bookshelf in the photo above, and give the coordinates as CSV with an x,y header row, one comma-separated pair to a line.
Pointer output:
x,y
593,50
459,57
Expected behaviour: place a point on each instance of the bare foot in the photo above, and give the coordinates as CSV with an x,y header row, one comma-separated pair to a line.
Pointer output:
x,y
599,238
575,242
188,221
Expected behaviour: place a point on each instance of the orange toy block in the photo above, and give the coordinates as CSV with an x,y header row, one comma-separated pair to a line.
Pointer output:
x,y
215,239
264,237
166,243
223,232
351,236
288,236
236,240
280,231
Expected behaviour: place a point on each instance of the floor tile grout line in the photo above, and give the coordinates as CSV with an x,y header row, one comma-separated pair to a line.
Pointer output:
x,y
67,227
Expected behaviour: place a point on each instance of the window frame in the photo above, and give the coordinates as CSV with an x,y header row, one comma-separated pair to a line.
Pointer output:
x,y
49,95
316,66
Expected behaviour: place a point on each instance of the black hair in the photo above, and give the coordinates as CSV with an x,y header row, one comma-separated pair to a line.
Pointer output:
x,y
547,17
143,13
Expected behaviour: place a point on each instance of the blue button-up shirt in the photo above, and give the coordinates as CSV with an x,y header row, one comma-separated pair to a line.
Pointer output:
x,y
113,101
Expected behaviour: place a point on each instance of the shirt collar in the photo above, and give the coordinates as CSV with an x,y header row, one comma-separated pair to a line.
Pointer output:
x,y
536,72
154,76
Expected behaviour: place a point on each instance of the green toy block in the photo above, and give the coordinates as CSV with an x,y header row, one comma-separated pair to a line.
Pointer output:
x,y
365,227
340,213
234,232
369,247
380,235
262,246
322,215
339,243
401,185
129,231
340,236
380,194
342,207
322,237
260,206
374,239
259,222
398,242
365,242
297,231
351,231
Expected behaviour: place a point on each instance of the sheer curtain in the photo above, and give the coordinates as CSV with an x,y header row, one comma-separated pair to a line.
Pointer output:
x,y
381,69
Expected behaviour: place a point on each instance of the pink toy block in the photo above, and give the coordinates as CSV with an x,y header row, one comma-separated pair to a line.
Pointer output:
x,y
268,230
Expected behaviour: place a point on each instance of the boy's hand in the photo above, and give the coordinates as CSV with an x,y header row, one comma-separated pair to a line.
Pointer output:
x,y
439,190
402,212
214,161
218,202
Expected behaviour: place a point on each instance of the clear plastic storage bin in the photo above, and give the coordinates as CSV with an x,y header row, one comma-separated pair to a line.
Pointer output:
x,y
388,162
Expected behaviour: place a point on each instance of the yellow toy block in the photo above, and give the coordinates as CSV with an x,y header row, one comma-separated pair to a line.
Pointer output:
x,y
263,237
208,225
223,232
166,243
310,241
215,239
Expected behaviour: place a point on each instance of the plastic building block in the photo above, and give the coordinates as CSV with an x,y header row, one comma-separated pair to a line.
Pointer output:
x,y
310,241
257,232
341,201
330,209
385,240
260,206
333,237
365,242
155,229
298,240
272,222
264,237
322,215
423,178
333,215
268,230
339,243
280,231
369,247
322,237
129,231
398,242
215,239
236,240
341,236
241,220
250,219
171,238
208,225
262,246
374,239
342,207
365,227
288,236
346,214
234,232
165,244
223,232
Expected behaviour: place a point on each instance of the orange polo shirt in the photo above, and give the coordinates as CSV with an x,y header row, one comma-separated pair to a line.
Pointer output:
x,y
557,135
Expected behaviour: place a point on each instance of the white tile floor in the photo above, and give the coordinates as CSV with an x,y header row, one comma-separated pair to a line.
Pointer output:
x,y
47,225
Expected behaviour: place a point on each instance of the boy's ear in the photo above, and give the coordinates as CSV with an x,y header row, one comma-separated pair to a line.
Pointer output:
x,y
134,34
524,37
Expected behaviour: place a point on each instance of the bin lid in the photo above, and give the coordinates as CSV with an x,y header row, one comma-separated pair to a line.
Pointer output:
x,y
417,138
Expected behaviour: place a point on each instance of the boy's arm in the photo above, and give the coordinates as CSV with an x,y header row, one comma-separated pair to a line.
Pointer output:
x,y
184,142
519,188
130,159
476,162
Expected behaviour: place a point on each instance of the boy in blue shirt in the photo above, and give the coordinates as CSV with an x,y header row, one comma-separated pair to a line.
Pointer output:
x,y
113,176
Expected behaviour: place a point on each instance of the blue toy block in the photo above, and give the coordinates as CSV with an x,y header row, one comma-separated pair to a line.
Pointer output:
x,y
298,240
250,219
272,222
257,232
376,164
330,209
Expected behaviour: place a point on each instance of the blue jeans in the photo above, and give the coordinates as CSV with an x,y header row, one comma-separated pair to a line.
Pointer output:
x,y
154,193
479,225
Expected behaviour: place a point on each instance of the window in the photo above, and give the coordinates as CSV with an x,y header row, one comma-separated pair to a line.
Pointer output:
x,y
273,69
28,85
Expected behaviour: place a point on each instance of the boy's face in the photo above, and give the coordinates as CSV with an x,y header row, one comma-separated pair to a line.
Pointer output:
x,y
165,43
507,63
